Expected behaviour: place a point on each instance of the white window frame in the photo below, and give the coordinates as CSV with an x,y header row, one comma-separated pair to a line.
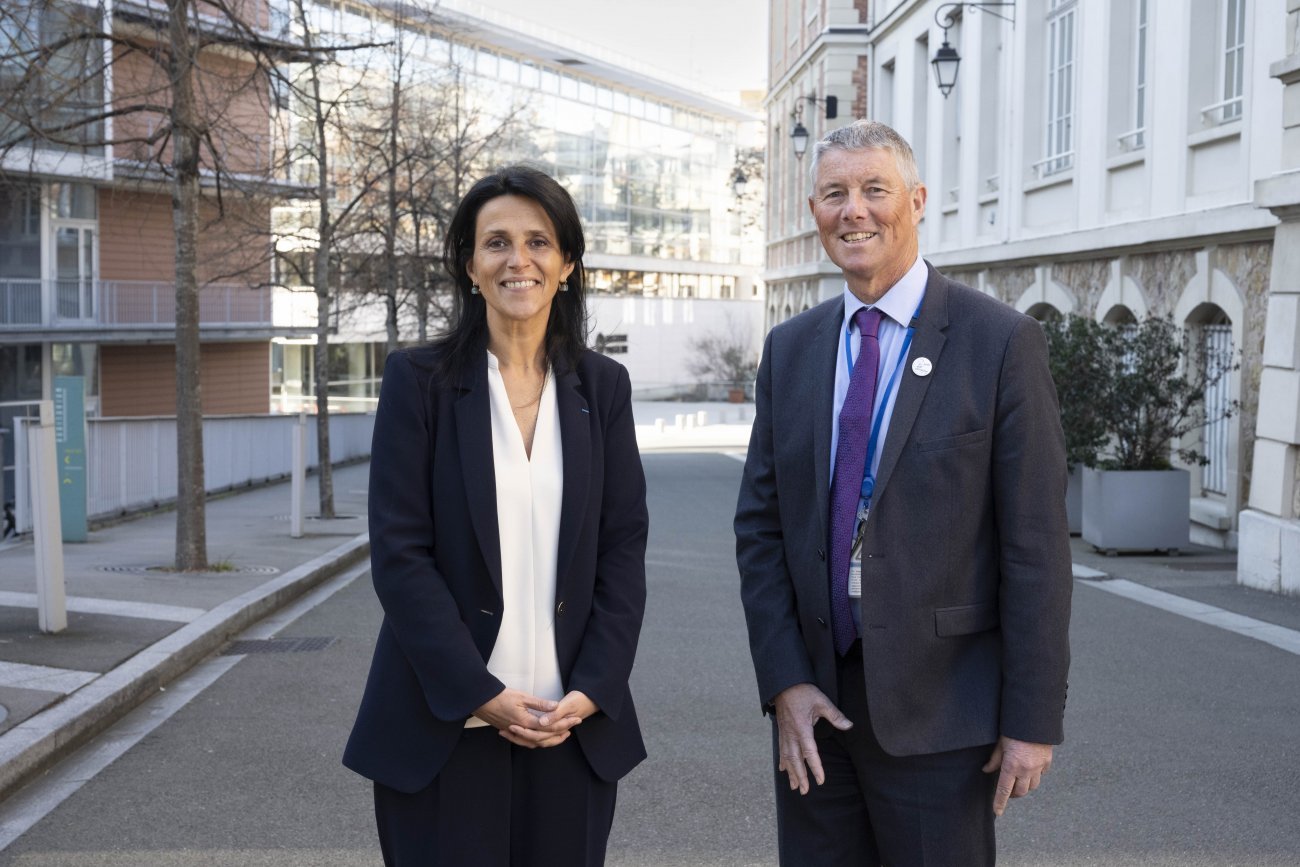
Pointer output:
x,y
1137,138
1062,39
1233,71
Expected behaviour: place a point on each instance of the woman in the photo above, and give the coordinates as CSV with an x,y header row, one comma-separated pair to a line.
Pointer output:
x,y
507,529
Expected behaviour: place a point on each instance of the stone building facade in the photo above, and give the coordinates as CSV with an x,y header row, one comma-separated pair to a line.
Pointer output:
x,y
1070,172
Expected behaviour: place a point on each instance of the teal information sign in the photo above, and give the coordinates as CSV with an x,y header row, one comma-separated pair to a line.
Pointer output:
x,y
70,446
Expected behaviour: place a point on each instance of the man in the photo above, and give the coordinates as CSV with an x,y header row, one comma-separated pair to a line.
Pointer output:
x,y
902,540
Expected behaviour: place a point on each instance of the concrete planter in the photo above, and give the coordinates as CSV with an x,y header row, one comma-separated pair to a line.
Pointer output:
x,y
1136,510
1074,500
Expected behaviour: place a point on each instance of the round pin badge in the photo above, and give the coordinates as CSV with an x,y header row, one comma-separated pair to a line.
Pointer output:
x,y
922,366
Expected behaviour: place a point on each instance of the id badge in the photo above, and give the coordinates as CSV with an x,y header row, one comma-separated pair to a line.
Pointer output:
x,y
855,555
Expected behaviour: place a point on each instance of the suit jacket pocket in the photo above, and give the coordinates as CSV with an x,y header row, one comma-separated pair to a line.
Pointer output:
x,y
966,439
965,619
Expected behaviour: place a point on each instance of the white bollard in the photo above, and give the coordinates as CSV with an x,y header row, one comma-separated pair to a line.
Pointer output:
x,y
659,425
702,418
681,421
47,528
298,475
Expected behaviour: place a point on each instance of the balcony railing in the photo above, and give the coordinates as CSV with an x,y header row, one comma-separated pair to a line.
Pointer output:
x,y
124,304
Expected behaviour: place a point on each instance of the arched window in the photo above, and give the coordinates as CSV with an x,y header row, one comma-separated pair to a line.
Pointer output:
x,y
1044,312
1214,355
1119,315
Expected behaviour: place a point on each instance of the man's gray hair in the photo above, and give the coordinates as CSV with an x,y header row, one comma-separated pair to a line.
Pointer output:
x,y
864,135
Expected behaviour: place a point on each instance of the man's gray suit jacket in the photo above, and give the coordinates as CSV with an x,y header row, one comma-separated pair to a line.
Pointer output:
x,y
966,565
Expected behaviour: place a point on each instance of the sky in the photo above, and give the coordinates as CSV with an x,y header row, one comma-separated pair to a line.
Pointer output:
x,y
723,43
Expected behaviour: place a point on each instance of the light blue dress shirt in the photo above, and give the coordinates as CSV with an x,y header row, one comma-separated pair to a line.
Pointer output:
x,y
898,304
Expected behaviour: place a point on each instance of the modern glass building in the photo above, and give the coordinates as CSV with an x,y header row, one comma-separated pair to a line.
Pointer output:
x,y
672,251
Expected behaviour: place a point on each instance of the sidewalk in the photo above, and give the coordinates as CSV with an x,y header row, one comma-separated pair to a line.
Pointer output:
x,y
132,626
664,425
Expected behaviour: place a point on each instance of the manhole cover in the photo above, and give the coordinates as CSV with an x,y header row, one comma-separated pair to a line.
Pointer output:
x,y
278,645
163,570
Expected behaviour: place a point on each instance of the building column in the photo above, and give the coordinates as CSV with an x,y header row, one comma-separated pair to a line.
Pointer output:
x,y
1269,541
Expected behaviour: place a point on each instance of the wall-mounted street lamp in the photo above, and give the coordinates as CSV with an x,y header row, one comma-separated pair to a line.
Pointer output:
x,y
799,135
738,182
946,60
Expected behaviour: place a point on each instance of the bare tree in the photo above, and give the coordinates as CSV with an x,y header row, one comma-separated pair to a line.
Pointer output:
x,y
329,101
179,74
426,145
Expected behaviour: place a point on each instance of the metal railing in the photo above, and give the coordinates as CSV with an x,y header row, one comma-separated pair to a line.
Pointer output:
x,y
1218,358
131,462
125,304
1134,139
1054,164
1228,110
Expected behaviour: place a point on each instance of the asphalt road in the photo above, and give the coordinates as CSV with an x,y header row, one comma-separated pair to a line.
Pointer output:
x,y
1184,745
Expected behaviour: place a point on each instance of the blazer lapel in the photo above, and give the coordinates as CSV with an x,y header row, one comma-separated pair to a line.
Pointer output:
x,y
926,343
575,444
820,377
474,437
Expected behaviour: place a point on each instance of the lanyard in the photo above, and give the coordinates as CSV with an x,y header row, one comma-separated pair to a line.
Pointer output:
x,y
868,479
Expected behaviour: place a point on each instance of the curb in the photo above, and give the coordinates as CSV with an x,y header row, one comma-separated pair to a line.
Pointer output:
x,y
38,742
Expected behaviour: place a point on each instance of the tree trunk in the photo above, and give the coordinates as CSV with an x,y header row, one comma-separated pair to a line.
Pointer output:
x,y
325,471
191,531
393,216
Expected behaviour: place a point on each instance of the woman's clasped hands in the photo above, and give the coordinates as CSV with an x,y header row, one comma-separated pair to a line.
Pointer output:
x,y
528,721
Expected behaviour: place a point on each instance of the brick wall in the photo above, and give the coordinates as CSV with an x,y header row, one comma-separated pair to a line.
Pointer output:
x,y
137,241
860,83
141,380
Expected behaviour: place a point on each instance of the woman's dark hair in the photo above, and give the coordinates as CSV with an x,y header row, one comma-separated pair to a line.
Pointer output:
x,y
566,330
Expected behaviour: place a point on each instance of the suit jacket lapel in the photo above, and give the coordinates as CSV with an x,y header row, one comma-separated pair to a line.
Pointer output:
x,y
575,443
474,437
926,343
822,360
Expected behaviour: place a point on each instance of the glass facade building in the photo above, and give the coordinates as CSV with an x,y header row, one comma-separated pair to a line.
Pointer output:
x,y
649,162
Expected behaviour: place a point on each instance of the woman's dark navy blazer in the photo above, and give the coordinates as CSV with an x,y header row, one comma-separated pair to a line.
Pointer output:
x,y
436,563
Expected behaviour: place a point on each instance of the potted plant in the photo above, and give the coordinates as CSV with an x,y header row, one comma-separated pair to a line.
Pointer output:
x,y
1134,498
1075,348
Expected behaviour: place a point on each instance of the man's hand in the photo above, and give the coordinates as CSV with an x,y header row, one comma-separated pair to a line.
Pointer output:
x,y
1022,764
797,710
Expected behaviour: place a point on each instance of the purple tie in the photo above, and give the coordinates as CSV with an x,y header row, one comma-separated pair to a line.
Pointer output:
x,y
850,460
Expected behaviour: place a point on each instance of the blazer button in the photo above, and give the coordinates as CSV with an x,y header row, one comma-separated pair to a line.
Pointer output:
x,y
821,553
559,609
822,622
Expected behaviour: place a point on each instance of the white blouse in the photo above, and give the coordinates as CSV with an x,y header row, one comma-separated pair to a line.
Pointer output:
x,y
529,495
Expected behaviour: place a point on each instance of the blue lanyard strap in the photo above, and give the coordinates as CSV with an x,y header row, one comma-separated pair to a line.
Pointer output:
x,y
868,478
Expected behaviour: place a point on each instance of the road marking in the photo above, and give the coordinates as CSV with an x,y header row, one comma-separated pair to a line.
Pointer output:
x,y
113,607
29,806
740,456
43,677
38,800
1269,633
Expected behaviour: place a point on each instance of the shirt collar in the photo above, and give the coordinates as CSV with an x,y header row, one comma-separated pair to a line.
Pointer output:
x,y
900,301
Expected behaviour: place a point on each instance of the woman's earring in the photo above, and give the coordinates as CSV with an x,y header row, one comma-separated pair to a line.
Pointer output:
x,y
564,287
473,289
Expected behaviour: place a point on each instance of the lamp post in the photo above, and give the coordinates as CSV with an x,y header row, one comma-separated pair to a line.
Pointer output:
x,y
738,183
946,60
799,137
